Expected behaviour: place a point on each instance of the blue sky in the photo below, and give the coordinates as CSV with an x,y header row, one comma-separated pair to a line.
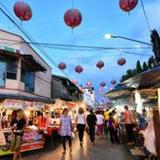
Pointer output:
x,y
99,17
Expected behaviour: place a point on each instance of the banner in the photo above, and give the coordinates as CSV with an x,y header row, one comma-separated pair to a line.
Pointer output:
x,y
32,140
20,104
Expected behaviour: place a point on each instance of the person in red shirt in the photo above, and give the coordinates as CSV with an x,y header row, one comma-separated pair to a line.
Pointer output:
x,y
42,121
128,121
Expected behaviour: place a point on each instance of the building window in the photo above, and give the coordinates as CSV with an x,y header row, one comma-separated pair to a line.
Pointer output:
x,y
11,69
2,73
29,80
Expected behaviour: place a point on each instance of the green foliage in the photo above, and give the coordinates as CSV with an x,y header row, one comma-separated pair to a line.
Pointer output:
x,y
145,67
138,67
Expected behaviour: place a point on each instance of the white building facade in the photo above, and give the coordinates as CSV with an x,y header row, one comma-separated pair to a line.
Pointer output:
x,y
22,71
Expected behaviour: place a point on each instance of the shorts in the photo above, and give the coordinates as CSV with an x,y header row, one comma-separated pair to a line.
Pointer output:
x,y
100,128
16,142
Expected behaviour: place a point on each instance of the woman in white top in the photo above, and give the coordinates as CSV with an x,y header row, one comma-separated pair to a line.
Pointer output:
x,y
100,123
81,122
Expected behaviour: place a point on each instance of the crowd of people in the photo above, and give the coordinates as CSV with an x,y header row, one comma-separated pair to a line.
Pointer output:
x,y
109,124
102,123
17,122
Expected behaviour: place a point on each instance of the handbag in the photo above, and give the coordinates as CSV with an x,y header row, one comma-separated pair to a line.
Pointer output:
x,y
2,138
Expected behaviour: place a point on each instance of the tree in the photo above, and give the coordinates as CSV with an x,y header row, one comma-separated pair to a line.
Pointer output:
x,y
151,63
123,78
145,67
138,67
129,73
155,39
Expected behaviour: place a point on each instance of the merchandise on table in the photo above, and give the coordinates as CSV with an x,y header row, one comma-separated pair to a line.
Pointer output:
x,y
31,140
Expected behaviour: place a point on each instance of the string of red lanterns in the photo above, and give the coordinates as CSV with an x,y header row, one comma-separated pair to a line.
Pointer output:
x,y
72,17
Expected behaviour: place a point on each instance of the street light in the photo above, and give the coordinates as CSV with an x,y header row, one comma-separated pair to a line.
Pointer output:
x,y
109,36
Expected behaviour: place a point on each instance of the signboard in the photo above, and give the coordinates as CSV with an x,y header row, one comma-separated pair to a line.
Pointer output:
x,y
20,104
32,140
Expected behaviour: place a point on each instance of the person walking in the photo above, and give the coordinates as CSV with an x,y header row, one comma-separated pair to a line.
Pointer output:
x,y
112,129
81,123
100,123
106,118
87,112
18,126
143,120
91,122
65,129
2,137
128,121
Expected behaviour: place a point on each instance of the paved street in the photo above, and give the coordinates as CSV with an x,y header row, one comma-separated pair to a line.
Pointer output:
x,y
103,150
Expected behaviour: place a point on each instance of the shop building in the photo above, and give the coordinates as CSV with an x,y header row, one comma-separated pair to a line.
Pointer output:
x,y
62,88
145,88
23,73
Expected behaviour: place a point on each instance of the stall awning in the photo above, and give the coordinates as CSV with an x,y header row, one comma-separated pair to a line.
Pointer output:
x,y
119,91
26,98
70,105
32,61
146,79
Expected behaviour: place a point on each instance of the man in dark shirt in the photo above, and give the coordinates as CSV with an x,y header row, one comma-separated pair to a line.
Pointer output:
x,y
91,122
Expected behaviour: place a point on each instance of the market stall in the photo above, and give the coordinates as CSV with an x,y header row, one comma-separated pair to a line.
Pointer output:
x,y
36,127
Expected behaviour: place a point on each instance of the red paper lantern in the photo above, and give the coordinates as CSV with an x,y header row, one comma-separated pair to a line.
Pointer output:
x,y
81,89
75,81
62,66
22,10
72,18
89,84
113,82
100,64
79,69
103,84
121,61
100,90
128,5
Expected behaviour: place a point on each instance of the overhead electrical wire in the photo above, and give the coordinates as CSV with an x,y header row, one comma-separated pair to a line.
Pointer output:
x,y
116,49
28,36
68,46
145,15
